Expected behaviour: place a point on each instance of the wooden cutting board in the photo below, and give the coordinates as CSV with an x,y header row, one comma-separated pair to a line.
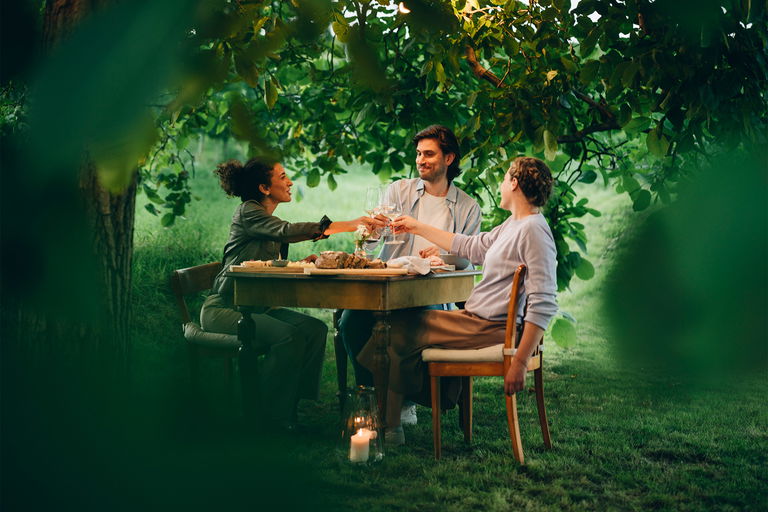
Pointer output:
x,y
267,270
355,271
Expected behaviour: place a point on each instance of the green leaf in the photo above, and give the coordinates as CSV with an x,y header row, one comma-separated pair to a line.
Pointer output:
x,y
641,199
564,333
167,220
332,182
341,30
313,178
588,177
628,76
569,65
471,99
625,114
589,71
637,125
439,72
584,270
658,146
396,163
270,93
247,69
550,145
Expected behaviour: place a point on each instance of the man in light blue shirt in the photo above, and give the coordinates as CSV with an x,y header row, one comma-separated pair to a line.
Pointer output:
x,y
431,198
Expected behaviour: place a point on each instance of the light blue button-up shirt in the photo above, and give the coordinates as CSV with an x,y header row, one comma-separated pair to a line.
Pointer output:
x,y
465,213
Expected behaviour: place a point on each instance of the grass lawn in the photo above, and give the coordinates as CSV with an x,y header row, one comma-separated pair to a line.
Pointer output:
x,y
623,439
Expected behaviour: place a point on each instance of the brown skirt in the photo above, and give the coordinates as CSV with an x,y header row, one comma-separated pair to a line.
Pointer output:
x,y
413,331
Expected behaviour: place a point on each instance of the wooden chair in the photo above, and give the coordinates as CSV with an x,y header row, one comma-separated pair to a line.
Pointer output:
x,y
191,281
489,361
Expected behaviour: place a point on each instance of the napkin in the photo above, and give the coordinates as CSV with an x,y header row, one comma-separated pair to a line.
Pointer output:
x,y
413,264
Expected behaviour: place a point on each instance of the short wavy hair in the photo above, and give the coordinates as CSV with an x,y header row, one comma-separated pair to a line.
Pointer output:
x,y
534,177
448,144
243,180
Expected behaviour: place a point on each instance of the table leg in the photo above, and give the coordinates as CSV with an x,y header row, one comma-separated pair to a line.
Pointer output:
x,y
381,360
248,363
341,361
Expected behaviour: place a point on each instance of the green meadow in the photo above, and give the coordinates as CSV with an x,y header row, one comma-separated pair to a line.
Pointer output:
x,y
623,439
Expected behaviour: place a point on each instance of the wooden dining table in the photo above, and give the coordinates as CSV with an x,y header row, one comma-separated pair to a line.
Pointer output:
x,y
381,294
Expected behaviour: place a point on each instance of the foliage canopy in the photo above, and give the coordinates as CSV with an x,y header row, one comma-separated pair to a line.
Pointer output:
x,y
635,93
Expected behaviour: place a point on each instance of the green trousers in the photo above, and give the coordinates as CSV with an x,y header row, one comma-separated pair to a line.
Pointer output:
x,y
291,370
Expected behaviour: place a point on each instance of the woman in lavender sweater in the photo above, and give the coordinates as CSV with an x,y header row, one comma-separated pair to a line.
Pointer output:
x,y
524,238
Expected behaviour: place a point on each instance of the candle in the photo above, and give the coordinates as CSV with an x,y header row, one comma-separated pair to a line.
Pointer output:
x,y
359,446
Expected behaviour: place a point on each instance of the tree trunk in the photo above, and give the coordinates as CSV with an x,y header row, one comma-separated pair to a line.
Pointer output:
x,y
42,330
110,220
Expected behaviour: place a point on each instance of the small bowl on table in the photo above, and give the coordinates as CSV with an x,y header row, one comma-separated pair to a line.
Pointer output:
x,y
279,263
457,261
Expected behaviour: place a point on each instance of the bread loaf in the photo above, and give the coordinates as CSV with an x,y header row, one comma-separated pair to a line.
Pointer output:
x,y
332,259
377,263
340,259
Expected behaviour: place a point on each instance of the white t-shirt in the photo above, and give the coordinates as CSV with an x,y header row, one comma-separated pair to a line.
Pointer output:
x,y
434,211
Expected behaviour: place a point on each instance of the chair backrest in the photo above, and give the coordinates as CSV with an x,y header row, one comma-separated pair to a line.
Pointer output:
x,y
187,281
510,336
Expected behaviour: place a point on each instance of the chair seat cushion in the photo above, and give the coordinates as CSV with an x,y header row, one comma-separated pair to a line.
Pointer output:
x,y
195,335
492,354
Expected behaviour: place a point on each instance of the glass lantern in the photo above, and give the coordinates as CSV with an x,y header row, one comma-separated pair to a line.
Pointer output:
x,y
362,434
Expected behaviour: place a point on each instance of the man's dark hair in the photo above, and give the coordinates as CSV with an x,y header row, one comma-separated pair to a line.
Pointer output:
x,y
448,144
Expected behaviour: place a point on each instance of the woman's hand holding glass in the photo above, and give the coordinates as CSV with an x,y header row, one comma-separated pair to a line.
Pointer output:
x,y
372,223
404,224
373,200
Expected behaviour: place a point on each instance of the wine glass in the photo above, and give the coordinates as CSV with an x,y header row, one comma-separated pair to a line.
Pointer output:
x,y
392,209
373,197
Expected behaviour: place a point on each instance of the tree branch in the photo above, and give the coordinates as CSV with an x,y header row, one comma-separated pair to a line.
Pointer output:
x,y
599,106
478,69
579,135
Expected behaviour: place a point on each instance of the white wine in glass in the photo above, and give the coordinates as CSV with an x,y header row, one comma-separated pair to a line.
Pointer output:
x,y
392,209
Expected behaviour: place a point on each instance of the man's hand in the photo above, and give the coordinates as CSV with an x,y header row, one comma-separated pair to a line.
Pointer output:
x,y
430,251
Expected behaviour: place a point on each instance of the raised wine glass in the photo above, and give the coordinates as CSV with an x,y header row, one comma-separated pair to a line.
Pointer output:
x,y
373,200
392,209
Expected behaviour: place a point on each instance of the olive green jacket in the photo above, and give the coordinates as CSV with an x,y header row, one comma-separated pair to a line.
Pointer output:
x,y
258,235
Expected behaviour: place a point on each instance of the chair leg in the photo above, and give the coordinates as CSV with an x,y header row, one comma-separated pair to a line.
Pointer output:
x,y
341,361
435,381
465,408
514,428
539,385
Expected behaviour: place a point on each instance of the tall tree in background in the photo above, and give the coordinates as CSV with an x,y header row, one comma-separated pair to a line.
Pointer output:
x,y
109,213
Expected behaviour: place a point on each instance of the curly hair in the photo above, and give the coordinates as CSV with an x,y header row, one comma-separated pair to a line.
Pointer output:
x,y
448,144
534,178
243,181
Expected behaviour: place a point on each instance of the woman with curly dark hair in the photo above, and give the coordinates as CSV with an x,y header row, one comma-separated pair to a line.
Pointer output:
x,y
291,369
524,238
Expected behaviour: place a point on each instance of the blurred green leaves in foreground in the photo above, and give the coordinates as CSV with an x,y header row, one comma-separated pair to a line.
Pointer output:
x,y
690,293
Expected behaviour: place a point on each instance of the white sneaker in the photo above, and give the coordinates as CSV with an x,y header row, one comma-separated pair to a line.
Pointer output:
x,y
394,436
408,415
